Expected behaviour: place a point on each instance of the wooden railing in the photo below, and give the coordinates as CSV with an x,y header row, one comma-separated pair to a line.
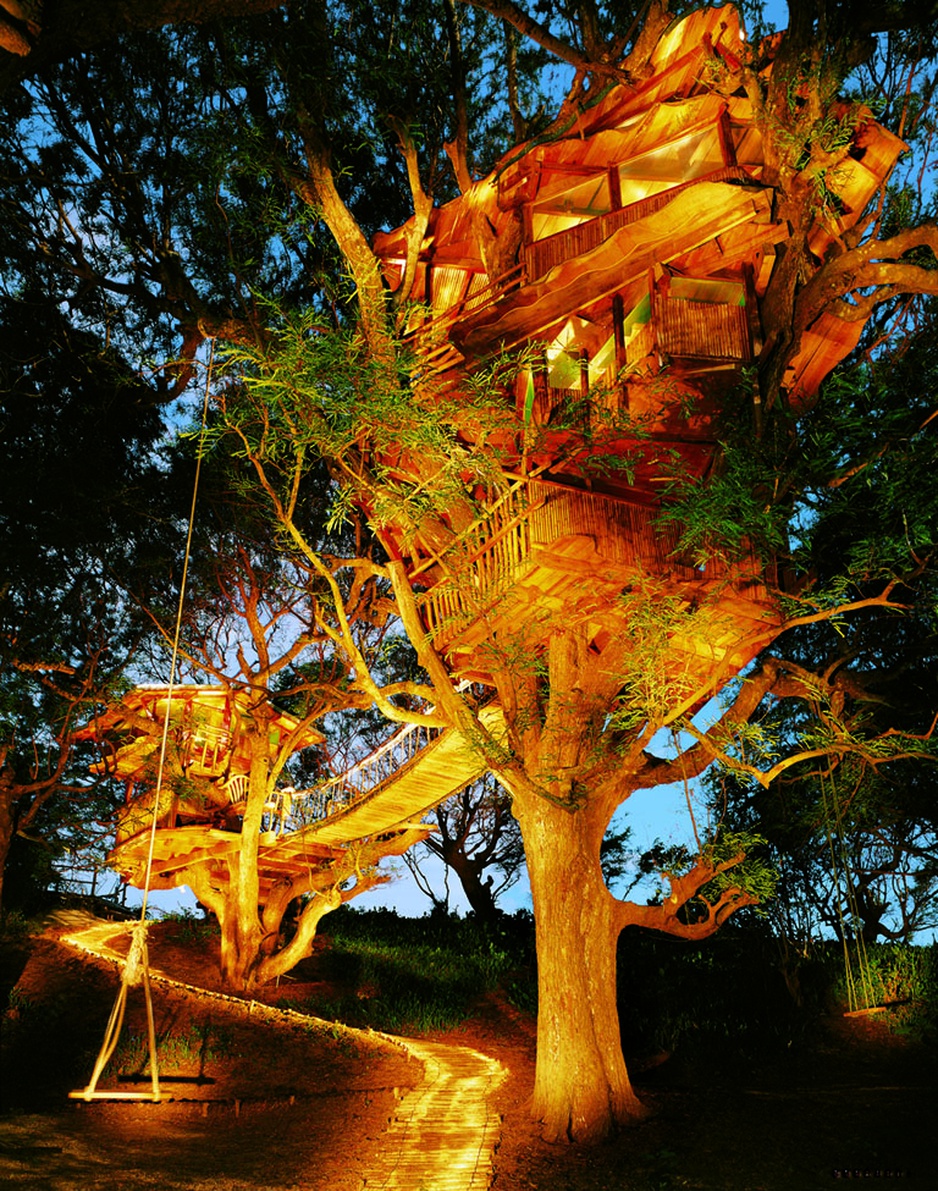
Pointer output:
x,y
543,255
479,568
430,339
363,778
485,557
709,330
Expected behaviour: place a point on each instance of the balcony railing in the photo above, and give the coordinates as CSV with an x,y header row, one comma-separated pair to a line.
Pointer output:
x,y
480,567
301,808
543,255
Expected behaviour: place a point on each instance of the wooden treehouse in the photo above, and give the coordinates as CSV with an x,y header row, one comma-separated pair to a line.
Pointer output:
x,y
624,261
205,786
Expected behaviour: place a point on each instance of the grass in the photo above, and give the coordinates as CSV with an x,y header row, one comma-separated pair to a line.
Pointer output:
x,y
201,1044
412,975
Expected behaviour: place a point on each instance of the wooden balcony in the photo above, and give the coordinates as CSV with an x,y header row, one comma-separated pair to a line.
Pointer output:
x,y
545,551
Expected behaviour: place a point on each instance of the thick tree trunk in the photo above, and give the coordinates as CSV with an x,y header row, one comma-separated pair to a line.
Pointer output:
x,y
582,1090
298,948
241,931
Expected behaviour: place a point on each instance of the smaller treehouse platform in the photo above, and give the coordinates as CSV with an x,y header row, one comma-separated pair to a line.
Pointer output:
x,y
624,262
205,787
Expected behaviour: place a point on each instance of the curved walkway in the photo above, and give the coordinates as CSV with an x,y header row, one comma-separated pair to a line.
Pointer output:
x,y
444,1131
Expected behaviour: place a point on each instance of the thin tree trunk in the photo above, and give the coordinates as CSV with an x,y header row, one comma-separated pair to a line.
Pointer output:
x,y
7,794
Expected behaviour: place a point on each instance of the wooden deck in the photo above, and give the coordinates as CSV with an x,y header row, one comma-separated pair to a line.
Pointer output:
x,y
435,771
551,552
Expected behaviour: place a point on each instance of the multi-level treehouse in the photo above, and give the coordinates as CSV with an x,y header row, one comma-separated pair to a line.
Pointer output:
x,y
625,261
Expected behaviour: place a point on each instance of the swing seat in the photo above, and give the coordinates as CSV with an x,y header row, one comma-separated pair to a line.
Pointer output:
x,y
199,1080
88,1094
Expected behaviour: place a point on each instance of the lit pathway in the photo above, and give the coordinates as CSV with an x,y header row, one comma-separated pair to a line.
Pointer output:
x,y
444,1131
443,1134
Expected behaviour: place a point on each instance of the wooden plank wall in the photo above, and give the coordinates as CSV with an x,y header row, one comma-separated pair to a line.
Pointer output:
x,y
712,330
543,255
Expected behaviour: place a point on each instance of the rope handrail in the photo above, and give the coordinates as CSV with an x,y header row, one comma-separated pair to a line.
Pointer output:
x,y
366,775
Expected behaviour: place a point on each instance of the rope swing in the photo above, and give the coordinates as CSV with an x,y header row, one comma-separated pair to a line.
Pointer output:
x,y
136,966
860,984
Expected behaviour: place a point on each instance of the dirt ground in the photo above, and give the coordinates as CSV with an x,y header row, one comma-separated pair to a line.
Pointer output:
x,y
271,1101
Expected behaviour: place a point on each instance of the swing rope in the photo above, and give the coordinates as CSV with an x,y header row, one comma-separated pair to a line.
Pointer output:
x,y
862,983
136,966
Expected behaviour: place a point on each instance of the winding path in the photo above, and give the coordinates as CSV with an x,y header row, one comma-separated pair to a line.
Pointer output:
x,y
444,1131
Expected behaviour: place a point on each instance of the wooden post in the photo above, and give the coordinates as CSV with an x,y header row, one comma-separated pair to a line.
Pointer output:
x,y
727,148
542,410
615,188
618,331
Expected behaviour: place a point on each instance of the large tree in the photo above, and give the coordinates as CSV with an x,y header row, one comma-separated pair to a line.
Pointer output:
x,y
581,718
321,118
259,671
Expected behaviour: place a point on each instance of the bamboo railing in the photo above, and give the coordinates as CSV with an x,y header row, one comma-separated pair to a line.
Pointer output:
x,y
363,778
710,330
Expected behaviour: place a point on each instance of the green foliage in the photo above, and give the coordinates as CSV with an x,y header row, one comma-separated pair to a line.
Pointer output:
x,y
900,977
414,975
722,997
754,874
726,998
652,689
318,394
741,510
189,928
16,928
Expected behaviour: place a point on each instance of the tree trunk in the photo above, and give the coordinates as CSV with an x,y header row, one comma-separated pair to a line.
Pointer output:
x,y
478,891
241,932
581,1089
7,796
298,948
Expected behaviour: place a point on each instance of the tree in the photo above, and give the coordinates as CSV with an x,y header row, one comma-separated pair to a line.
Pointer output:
x,y
47,34
583,689
475,831
582,708
257,625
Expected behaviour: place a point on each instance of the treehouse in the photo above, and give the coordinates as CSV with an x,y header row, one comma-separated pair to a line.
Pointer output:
x,y
205,786
205,774
624,261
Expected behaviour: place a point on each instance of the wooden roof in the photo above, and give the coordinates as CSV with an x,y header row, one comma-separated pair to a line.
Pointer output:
x,y
697,227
